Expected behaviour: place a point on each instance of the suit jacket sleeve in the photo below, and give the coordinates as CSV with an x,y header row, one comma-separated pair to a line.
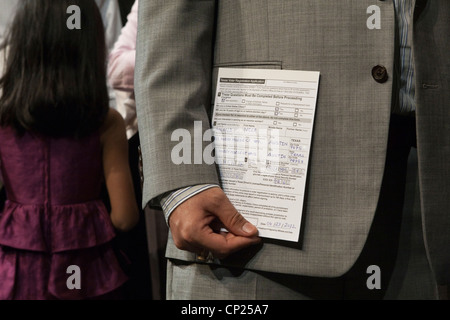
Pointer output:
x,y
173,89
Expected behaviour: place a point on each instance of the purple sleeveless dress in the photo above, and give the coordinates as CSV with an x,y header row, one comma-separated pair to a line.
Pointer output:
x,y
55,232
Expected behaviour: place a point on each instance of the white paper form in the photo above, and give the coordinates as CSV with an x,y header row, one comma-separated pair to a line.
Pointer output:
x,y
262,124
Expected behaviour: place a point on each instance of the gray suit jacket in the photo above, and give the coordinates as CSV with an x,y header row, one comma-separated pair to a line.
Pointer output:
x,y
180,46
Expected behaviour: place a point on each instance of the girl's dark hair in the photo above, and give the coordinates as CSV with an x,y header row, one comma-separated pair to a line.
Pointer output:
x,y
55,76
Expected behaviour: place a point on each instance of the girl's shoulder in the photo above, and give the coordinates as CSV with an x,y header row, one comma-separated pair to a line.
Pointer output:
x,y
113,125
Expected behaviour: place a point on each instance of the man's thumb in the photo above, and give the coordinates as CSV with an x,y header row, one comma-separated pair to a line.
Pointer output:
x,y
235,223
224,210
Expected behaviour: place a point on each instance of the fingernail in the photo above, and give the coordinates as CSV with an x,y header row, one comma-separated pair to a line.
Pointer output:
x,y
248,227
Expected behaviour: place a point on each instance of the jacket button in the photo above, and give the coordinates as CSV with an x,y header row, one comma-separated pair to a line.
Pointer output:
x,y
379,73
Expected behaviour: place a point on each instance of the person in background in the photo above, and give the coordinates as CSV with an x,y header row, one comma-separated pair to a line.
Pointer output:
x,y
112,21
121,67
59,140
110,11
121,62
7,9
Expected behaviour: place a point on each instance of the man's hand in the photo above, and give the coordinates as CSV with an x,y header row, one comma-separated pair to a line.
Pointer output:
x,y
195,225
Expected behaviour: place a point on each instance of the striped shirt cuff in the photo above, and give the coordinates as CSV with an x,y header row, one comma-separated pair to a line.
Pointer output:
x,y
172,200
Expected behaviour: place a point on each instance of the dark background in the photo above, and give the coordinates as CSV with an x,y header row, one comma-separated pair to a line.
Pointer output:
x,y
134,243
125,7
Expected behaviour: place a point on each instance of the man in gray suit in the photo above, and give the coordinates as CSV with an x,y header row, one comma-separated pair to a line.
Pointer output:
x,y
382,120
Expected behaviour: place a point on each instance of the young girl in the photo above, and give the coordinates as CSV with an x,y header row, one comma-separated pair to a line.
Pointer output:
x,y
58,141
